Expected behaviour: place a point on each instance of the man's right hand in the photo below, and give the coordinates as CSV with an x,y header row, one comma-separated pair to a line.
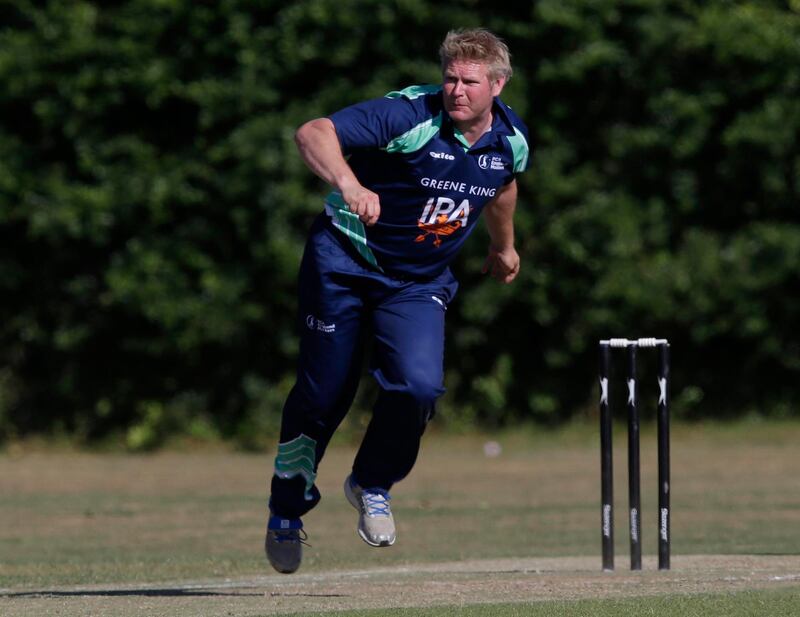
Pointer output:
x,y
364,203
320,149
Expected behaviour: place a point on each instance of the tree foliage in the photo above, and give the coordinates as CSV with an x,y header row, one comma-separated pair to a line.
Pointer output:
x,y
153,207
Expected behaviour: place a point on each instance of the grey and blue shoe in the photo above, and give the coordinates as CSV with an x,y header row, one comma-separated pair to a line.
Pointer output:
x,y
375,521
284,543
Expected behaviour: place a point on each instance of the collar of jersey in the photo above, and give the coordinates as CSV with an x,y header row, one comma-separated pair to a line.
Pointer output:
x,y
500,126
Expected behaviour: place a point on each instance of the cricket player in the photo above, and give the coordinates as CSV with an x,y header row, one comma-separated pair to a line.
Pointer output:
x,y
410,173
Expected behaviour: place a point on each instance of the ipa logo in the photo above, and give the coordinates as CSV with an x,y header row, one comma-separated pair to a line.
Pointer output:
x,y
445,207
441,218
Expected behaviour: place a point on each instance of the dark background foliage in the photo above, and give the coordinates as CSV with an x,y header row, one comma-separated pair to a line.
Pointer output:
x,y
153,207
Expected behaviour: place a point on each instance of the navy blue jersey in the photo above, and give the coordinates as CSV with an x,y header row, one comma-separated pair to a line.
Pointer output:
x,y
431,183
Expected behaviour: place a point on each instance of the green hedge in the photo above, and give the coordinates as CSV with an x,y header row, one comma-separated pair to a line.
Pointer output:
x,y
153,207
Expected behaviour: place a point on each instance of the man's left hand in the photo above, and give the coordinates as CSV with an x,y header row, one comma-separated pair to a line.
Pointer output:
x,y
503,265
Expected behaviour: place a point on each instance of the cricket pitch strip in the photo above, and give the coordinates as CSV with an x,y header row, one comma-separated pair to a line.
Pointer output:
x,y
425,585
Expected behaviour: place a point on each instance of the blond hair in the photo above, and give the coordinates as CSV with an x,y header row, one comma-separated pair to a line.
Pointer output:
x,y
477,45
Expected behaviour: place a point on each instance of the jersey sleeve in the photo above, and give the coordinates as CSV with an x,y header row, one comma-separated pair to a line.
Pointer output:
x,y
373,123
518,144
520,149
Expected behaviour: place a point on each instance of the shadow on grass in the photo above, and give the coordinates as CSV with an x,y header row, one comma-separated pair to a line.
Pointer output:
x,y
177,593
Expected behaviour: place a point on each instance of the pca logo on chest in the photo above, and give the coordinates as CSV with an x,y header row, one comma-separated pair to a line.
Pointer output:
x,y
490,162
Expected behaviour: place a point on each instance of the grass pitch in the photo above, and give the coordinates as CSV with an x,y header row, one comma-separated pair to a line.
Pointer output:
x,y
181,532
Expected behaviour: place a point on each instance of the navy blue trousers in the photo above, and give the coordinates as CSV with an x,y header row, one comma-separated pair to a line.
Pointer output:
x,y
345,305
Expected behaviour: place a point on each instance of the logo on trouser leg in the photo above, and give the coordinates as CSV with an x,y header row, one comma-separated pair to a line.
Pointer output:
x,y
298,457
320,326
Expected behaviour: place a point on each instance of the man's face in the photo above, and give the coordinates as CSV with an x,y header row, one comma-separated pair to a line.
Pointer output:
x,y
468,92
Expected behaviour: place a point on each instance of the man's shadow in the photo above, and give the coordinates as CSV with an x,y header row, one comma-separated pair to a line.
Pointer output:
x,y
156,592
